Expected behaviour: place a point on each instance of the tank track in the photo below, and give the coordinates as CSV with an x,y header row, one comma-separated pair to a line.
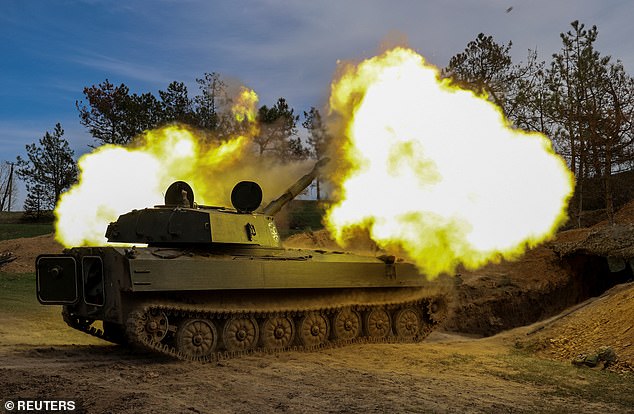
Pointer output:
x,y
429,311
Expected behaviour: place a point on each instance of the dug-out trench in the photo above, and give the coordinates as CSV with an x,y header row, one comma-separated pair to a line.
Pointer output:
x,y
494,304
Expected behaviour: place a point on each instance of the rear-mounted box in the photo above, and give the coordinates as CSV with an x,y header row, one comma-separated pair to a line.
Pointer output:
x,y
56,280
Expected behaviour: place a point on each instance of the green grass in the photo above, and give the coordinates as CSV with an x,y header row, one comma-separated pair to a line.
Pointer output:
x,y
17,293
565,380
18,217
11,216
457,359
17,230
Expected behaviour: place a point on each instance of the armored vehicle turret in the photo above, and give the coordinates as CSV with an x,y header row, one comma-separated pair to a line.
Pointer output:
x,y
205,282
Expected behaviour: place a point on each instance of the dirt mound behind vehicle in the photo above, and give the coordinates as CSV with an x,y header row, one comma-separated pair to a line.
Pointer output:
x,y
358,242
599,323
25,250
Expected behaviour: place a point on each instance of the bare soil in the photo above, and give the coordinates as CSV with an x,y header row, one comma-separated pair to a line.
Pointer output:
x,y
26,250
604,321
446,373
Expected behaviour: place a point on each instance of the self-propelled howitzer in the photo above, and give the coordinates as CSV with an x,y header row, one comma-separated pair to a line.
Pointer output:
x,y
215,282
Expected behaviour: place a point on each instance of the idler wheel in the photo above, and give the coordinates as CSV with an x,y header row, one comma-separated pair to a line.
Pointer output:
x,y
156,326
346,324
240,334
407,323
196,337
277,332
377,323
313,329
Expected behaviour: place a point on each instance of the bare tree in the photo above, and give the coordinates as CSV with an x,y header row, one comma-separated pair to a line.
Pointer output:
x,y
213,96
8,189
318,138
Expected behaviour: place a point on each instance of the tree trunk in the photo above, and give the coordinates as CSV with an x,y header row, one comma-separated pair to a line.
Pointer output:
x,y
607,177
580,178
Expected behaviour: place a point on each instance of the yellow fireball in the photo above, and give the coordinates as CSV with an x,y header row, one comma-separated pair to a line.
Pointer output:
x,y
437,171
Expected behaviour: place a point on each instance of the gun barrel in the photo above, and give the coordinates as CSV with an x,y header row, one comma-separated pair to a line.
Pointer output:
x,y
300,185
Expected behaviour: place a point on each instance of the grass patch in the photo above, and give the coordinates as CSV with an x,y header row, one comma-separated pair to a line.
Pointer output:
x,y
10,231
566,381
11,216
20,217
456,359
17,293
24,321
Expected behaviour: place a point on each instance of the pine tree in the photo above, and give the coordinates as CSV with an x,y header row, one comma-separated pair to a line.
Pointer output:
x,y
278,132
49,170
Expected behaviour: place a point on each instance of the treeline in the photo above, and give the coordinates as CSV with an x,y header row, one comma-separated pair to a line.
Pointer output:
x,y
114,115
582,100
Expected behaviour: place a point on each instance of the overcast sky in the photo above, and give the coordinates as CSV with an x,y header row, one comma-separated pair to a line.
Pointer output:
x,y
51,49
